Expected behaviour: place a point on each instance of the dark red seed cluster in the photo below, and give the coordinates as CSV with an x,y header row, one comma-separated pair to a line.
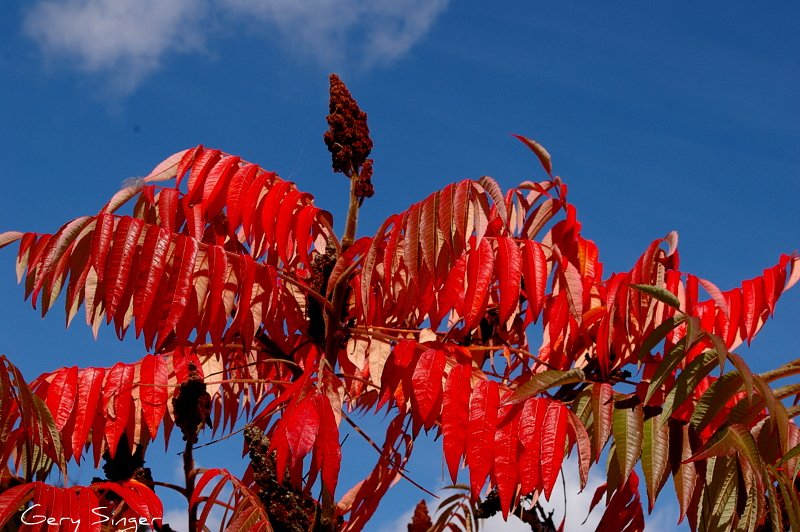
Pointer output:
x,y
363,185
192,406
347,137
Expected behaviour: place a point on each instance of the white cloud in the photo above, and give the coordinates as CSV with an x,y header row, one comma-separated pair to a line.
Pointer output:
x,y
128,39
354,31
578,503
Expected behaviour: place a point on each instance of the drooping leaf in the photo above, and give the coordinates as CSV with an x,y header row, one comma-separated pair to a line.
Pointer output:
x,y
455,416
628,429
540,152
655,457
542,381
482,423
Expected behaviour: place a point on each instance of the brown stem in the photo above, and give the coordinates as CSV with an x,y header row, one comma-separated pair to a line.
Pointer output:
x,y
352,216
189,476
333,322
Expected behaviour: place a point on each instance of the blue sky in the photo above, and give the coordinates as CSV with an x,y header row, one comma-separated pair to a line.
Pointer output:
x,y
659,117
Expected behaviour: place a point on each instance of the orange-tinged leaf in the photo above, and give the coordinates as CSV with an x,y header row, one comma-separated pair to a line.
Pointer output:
x,y
168,168
579,435
493,189
9,237
540,152
428,232
716,295
602,414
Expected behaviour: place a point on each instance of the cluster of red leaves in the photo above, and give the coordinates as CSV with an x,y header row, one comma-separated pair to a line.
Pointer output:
x,y
435,328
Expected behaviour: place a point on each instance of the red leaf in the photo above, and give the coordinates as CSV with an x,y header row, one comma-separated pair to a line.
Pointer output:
x,y
168,203
509,271
327,444
12,499
218,270
534,271
553,437
154,254
455,416
119,400
716,295
101,243
505,471
480,267
90,385
217,183
302,426
126,239
61,395
239,184
153,381
182,269
426,382
197,177
530,430
482,423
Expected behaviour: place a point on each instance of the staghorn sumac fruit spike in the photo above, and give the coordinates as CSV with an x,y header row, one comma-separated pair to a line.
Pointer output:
x,y
347,137
192,406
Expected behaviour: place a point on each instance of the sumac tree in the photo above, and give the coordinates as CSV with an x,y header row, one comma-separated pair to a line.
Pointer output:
x,y
480,316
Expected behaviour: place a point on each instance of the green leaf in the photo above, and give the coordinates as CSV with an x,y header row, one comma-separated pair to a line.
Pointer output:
x,y
544,380
581,405
719,502
659,333
752,509
794,451
628,427
715,398
687,380
775,512
730,439
655,456
665,369
790,500
660,293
